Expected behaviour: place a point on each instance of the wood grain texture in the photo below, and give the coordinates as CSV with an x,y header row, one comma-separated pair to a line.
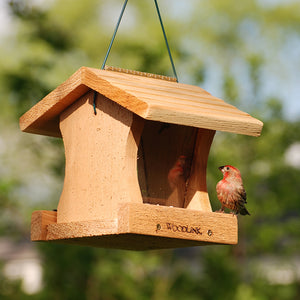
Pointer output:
x,y
151,99
197,197
39,222
142,227
138,73
101,159
178,223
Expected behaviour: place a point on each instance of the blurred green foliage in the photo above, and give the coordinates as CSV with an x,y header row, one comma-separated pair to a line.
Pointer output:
x,y
233,47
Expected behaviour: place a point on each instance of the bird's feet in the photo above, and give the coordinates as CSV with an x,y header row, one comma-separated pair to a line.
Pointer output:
x,y
220,211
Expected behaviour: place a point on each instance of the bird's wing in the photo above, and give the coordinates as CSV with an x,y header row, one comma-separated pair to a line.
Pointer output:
x,y
242,193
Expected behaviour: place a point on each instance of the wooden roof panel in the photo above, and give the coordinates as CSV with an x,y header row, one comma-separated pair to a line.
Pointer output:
x,y
150,98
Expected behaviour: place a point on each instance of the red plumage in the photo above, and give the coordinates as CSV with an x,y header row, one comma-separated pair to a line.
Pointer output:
x,y
231,192
176,174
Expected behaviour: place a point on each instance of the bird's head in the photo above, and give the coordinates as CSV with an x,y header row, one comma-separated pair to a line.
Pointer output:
x,y
181,161
230,172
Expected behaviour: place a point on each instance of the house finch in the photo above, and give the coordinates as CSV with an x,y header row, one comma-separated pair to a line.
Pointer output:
x,y
230,190
176,174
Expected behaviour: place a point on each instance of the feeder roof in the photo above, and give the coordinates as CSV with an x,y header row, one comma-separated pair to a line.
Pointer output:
x,y
150,98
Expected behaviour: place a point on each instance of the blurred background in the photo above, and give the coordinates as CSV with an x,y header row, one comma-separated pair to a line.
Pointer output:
x,y
246,53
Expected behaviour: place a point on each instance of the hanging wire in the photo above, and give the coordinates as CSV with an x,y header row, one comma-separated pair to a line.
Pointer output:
x,y
114,35
166,40
113,38
109,48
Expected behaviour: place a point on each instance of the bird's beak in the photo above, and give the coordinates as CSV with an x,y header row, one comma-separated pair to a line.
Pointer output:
x,y
221,168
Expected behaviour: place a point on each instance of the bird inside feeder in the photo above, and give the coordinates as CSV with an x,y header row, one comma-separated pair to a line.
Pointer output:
x,y
171,166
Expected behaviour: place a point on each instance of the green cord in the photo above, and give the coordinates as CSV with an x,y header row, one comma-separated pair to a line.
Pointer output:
x,y
113,38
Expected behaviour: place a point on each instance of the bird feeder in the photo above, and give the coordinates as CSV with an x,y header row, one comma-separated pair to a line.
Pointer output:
x,y
116,191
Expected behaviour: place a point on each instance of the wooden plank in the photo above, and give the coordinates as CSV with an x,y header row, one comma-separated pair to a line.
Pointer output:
x,y
163,97
175,88
70,230
39,222
141,227
179,105
136,97
101,159
138,73
150,82
178,223
47,111
50,107
196,197
240,125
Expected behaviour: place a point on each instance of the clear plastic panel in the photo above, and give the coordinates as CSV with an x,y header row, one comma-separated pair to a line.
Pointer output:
x,y
164,162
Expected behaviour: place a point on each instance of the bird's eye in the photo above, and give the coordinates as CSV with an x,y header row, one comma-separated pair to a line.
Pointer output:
x,y
227,168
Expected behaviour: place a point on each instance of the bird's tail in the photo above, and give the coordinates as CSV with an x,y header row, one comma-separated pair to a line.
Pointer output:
x,y
243,211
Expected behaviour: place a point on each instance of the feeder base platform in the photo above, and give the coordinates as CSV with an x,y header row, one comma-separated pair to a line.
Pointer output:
x,y
140,227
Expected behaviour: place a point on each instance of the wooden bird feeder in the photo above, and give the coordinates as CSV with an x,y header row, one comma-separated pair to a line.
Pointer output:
x,y
116,192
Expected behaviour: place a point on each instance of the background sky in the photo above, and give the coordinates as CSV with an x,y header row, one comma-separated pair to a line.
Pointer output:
x,y
281,74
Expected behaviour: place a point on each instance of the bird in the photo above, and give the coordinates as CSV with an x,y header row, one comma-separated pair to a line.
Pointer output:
x,y
177,181
176,173
231,192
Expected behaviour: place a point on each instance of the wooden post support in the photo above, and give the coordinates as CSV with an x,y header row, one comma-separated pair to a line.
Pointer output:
x,y
101,159
196,195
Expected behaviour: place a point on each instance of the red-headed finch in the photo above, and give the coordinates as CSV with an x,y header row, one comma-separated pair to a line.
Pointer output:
x,y
231,192
176,174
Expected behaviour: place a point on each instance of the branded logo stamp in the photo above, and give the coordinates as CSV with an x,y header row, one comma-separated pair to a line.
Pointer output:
x,y
184,228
